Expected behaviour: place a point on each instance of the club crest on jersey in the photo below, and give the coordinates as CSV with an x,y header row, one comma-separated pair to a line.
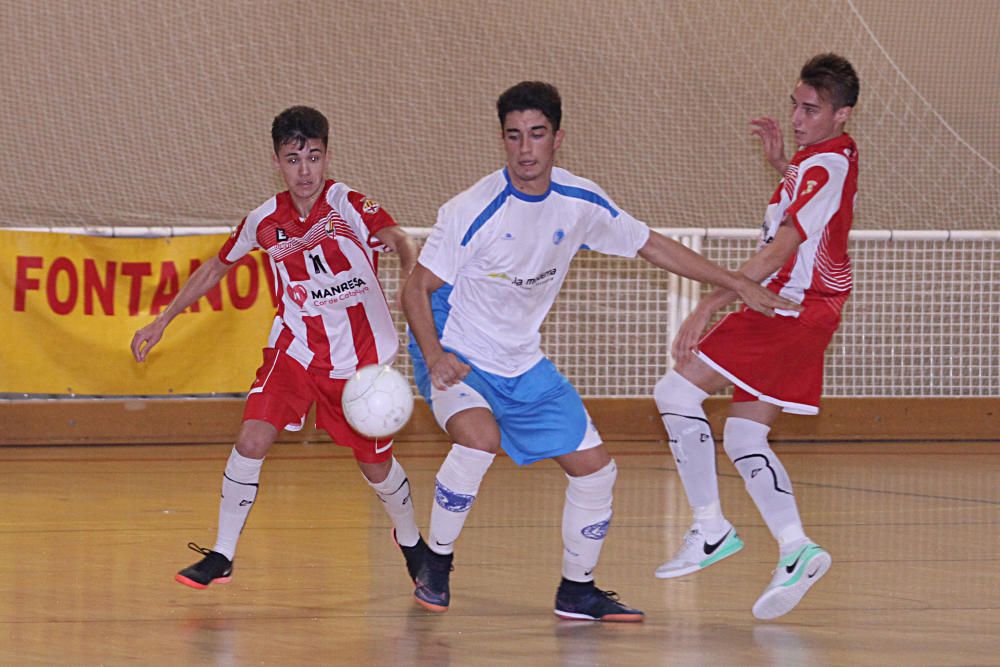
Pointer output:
x,y
297,293
370,206
331,231
558,237
280,235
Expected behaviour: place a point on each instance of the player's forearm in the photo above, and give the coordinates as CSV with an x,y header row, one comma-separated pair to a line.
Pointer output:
x,y
419,316
203,279
773,256
677,258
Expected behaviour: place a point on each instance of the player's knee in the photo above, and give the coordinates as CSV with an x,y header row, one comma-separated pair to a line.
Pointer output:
x,y
593,491
675,390
743,437
459,477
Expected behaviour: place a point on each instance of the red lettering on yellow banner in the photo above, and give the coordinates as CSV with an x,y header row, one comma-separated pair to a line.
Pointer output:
x,y
213,296
61,265
166,288
92,284
22,282
64,282
136,271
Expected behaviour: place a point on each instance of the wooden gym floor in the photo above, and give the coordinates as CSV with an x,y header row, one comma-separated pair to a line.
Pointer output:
x,y
92,536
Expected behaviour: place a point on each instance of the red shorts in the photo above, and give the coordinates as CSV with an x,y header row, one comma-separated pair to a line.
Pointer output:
x,y
777,359
283,392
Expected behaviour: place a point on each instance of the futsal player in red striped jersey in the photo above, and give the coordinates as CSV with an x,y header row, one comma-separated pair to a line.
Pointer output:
x,y
774,364
323,240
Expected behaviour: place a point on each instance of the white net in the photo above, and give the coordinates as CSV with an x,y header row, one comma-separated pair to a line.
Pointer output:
x,y
907,330
130,114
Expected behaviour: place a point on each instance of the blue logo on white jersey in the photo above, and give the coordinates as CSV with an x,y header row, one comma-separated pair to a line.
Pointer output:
x,y
558,237
507,236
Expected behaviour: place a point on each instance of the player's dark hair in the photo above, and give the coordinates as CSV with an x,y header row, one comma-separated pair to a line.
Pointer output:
x,y
298,125
834,77
529,95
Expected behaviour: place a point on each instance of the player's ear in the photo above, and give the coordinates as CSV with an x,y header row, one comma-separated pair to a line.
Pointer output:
x,y
841,115
275,162
560,133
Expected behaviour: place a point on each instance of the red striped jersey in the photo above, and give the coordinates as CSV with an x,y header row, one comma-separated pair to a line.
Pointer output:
x,y
332,313
817,196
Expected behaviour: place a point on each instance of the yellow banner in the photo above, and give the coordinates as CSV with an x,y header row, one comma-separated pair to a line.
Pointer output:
x,y
71,303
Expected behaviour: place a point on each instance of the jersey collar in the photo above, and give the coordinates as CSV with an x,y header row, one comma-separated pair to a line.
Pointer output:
x,y
521,195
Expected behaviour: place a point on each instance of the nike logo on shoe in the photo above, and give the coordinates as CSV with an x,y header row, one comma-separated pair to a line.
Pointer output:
x,y
710,548
812,574
244,503
791,568
443,544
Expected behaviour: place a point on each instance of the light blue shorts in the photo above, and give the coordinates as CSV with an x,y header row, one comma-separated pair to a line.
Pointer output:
x,y
540,414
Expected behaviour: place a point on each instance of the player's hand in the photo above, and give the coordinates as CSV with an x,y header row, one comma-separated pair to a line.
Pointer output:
x,y
448,370
772,141
761,299
682,348
144,340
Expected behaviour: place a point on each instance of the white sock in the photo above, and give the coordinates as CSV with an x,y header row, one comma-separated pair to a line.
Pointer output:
x,y
586,515
766,480
709,518
680,404
394,492
239,490
455,490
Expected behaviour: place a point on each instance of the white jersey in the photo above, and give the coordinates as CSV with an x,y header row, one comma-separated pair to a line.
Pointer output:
x,y
504,256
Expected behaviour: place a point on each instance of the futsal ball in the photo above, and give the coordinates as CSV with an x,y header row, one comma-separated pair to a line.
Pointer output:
x,y
377,401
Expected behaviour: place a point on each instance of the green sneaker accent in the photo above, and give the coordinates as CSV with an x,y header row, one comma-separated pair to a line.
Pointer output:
x,y
806,554
732,544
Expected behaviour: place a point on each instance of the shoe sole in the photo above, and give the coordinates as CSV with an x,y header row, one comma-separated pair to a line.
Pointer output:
x,y
430,606
722,554
782,599
609,618
181,579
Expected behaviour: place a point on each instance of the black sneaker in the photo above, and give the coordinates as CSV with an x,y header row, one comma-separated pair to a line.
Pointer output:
x,y
414,555
584,601
214,568
432,581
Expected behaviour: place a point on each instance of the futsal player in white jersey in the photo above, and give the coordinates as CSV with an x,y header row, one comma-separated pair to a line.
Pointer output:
x,y
323,240
484,282
775,365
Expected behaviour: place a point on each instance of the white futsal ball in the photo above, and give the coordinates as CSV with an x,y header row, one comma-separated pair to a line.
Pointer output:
x,y
377,401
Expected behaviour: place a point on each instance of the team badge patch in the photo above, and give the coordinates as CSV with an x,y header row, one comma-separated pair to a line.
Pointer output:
x,y
452,500
558,237
596,531
280,235
330,230
370,207
297,293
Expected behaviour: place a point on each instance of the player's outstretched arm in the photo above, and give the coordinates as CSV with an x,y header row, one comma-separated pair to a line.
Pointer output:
x,y
405,247
203,279
401,243
444,367
772,141
673,256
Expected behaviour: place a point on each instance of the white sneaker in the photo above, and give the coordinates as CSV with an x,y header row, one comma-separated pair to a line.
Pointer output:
x,y
697,552
795,574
